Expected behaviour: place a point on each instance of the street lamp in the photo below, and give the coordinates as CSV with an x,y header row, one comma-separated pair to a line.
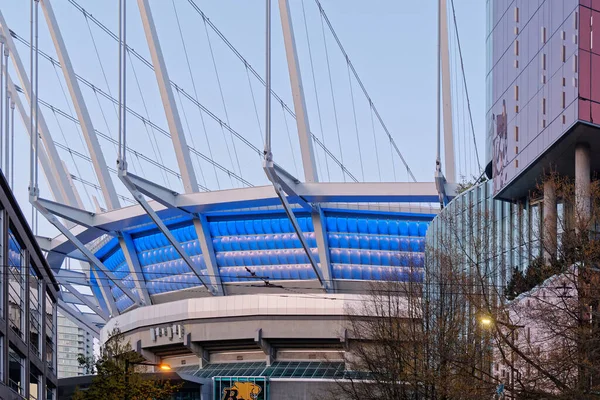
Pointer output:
x,y
488,322
162,366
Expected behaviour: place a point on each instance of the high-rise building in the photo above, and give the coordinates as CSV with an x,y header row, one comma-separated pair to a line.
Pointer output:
x,y
73,341
543,105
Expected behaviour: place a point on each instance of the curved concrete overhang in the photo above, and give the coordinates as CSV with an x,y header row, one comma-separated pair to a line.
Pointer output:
x,y
259,308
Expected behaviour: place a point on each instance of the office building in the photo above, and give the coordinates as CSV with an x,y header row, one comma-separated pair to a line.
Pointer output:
x,y
28,297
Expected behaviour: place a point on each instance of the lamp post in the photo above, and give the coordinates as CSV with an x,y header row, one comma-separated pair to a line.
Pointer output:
x,y
162,366
488,321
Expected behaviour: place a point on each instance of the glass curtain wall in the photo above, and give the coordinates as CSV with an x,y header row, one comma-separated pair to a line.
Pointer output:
x,y
16,284
35,311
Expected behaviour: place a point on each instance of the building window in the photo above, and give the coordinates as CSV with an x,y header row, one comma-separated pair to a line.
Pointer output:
x,y
544,106
34,385
16,371
516,47
50,393
16,287
543,62
35,308
517,92
50,332
543,34
516,133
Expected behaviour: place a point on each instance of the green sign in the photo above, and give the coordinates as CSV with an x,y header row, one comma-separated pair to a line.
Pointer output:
x,y
242,388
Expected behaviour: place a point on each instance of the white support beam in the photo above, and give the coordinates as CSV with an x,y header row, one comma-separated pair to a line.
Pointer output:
x,y
78,317
323,246
85,300
449,161
74,277
90,256
73,214
304,134
269,170
135,269
107,295
168,198
164,196
182,151
51,180
208,251
54,163
139,197
106,184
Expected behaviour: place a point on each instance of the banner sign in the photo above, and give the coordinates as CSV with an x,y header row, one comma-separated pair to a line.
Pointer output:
x,y
241,388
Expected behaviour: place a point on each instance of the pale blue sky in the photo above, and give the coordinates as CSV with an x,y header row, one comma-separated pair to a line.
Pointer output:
x,y
392,45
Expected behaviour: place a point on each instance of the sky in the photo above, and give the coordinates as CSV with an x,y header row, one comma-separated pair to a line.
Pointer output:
x,y
392,45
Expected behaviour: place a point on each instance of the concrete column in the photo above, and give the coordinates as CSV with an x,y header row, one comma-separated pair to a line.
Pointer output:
x,y
549,232
582,185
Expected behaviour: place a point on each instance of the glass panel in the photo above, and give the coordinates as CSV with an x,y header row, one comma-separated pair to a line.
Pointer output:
x,y
16,371
35,308
50,332
16,287
34,386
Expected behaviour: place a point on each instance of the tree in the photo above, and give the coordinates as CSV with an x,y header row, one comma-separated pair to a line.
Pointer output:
x,y
543,325
406,343
385,356
110,383
500,305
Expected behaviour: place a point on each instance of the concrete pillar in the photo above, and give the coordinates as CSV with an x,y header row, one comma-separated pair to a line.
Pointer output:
x,y
549,232
582,185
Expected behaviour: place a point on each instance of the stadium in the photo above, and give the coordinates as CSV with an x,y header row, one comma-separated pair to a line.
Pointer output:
x,y
247,283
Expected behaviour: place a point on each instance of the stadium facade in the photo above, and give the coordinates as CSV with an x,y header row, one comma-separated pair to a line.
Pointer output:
x,y
273,321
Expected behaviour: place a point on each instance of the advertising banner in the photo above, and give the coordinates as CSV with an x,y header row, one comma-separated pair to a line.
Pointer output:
x,y
240,388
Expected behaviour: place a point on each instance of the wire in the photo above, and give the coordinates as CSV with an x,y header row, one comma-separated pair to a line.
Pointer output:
x,y
70,151
460,286
314,79
140,117
105,79
392,141
187,59
104,136
150,66
462,66
337,126
375,141
260,130
187,124
287,128
262,81
157,152
212,55
362,168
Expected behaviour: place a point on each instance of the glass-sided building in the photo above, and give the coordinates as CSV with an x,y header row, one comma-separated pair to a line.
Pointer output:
x,y
28,317
494,234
